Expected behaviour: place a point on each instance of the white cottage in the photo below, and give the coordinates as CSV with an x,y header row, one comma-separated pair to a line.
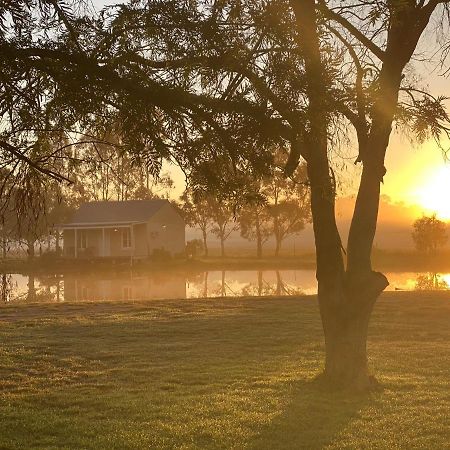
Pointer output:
x,y
134,228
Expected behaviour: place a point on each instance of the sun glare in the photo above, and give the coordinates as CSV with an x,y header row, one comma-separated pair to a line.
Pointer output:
x,y
434,194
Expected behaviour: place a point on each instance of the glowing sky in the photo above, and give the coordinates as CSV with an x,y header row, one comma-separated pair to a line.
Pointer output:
x,y
418,176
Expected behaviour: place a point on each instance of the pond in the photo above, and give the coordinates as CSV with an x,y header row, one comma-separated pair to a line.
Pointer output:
x,y
134,285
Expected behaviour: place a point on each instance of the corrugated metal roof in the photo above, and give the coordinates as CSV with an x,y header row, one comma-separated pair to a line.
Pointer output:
x,y
116,212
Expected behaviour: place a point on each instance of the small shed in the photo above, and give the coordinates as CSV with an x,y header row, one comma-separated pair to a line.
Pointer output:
x,y
133,228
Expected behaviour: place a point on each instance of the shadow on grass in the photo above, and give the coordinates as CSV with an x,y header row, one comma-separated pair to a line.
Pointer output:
x,y
313,418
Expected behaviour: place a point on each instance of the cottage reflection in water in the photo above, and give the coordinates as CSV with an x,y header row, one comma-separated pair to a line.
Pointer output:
x,y
132,287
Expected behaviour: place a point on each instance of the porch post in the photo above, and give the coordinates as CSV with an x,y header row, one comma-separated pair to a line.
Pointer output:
x,y
76,243
103,243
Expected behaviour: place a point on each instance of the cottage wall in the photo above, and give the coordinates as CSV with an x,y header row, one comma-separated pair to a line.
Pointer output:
x,y
140,241
116,248
166,231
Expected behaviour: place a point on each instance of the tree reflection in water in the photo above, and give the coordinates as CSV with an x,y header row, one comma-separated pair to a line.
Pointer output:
x,y
7,287
431,282
35,289
264,288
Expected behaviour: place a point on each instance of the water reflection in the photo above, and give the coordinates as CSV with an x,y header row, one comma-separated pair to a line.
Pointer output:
x,y
130,286
177,285
6,287
432,282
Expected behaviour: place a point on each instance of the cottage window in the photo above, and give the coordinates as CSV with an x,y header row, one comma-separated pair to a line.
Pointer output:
x,y
126,238
83,240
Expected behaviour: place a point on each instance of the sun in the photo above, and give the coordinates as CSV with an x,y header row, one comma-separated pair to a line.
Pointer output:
x,y
434,194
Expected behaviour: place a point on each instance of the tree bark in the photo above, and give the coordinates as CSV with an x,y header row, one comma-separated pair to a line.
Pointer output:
x,y
223,290
279,289
31,288
259,248
205,285
57,244
222,247
4,241
277,246
258,239
30,249
205,243
3,247
260,283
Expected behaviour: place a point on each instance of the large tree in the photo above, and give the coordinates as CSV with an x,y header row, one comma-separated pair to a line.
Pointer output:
x,y
347,294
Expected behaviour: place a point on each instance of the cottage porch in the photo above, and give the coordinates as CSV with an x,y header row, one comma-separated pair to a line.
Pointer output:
x,y
100,240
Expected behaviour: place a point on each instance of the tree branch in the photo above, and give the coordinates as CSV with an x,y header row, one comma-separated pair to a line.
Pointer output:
x,y
330,14
20,156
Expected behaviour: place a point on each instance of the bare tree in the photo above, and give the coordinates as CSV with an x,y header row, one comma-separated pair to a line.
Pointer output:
x,y
197,214
224,220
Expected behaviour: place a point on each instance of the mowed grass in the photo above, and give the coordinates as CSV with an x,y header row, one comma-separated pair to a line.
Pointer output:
x,y
235,373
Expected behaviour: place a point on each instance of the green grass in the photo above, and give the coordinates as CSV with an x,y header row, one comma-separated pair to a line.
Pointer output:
x,y
217,374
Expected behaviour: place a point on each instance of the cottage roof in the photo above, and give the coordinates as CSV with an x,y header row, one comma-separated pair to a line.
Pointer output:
x,y
130,211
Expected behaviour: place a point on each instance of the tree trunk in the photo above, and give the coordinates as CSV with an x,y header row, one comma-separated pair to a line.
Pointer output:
x,y
57,244
258,240
259,247
4,241
4,245
205,285
4,288
30,249
223,292
31,288
260,283
346,354
205,243
277,246
279,290
222,247
58,290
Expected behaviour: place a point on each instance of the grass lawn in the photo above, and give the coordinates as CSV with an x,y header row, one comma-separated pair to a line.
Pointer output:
x,y
218,374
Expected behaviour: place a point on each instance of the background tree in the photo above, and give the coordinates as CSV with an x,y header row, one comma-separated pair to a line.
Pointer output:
x,y
197,214
429,234
255,224
223,220
288,204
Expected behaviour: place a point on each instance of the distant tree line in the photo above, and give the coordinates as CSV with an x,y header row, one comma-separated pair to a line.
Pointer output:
x,y
272,207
